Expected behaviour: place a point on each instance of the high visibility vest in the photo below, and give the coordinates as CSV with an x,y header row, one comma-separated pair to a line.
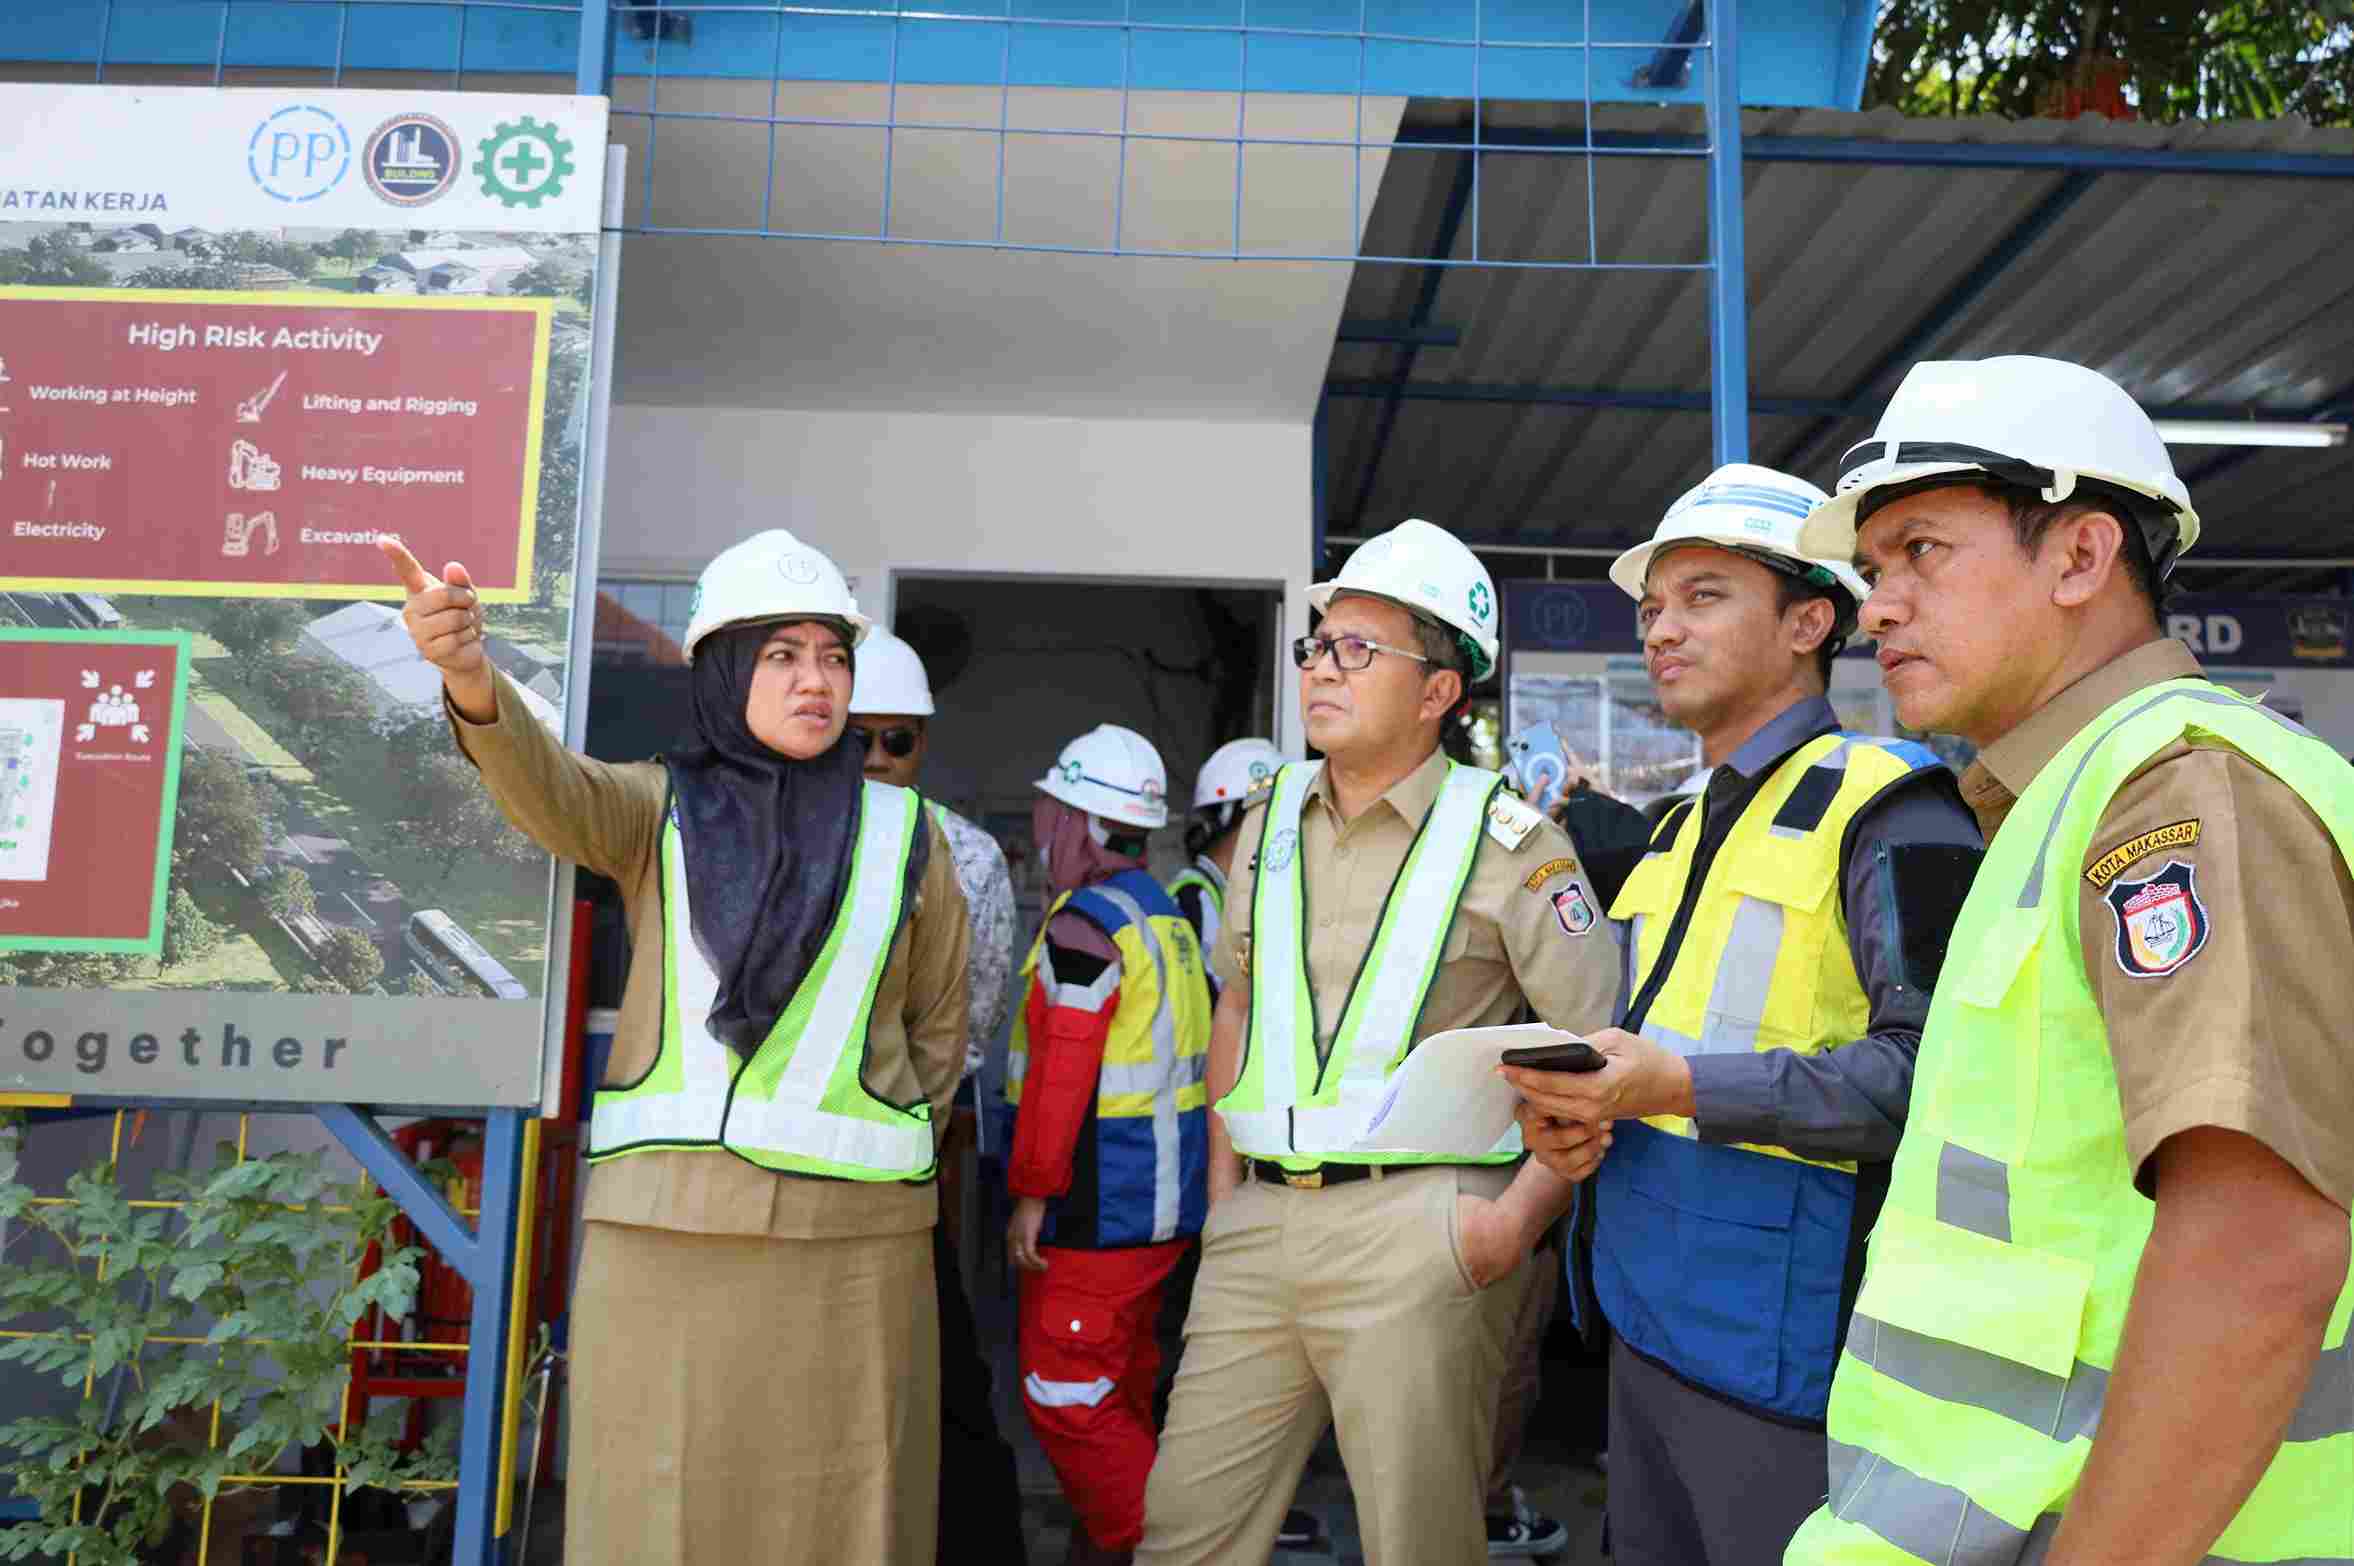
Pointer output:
x,y
1203,877
1971,1389
1726,1262
800,1104
1291,1104
1151,1128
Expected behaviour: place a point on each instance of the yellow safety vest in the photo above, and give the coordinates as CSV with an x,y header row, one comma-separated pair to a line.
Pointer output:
x,y
1726,1262
800,1104
1151,1148
2001,1269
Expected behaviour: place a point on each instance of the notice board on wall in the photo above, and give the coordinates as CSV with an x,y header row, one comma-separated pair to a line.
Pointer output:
x,y
243,333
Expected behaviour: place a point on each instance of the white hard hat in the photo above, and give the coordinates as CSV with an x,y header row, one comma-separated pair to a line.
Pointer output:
x,y
891,680
1428,570
1114,773
770,576
1751,511
2044,423
1233,770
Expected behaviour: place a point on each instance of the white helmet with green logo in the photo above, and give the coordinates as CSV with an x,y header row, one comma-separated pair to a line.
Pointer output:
x,y
770,576
1428,570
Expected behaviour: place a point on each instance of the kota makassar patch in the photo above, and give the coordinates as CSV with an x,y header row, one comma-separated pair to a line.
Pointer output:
x,y
2161,924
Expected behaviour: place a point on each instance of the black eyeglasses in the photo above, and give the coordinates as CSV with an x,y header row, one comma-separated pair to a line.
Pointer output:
x,y
898,742
1350,652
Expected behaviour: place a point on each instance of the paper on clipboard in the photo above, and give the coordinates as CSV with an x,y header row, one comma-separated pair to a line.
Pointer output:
x,y
1447,1098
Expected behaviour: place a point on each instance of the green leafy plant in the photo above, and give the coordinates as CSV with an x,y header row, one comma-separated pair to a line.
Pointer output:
x,y
245,1296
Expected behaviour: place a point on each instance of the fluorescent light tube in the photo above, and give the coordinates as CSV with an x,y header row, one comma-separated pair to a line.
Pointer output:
x,y
2234,432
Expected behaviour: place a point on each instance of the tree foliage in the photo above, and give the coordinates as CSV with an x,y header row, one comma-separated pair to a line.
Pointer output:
x,y
188,934
53,261
289,894
351,959
258,1270
222,819
2166,60
253,627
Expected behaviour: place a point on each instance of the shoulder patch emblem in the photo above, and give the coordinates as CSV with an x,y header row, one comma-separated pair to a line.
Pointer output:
x,y
1575,909
1510,820
2114,863
1547,871
2161,924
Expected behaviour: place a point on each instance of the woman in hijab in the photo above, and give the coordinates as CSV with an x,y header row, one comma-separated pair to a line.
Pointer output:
x,y
756,1376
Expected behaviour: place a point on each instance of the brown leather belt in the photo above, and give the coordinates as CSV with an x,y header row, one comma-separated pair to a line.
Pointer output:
x,y
1315,1179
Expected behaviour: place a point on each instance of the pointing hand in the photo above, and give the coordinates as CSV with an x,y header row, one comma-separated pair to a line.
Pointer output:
x,y
444,619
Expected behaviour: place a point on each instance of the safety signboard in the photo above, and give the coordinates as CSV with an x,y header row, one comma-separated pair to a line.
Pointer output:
x,y
231,443
90,725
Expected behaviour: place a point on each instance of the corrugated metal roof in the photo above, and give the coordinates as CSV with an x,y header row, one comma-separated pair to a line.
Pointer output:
x,y
2188,289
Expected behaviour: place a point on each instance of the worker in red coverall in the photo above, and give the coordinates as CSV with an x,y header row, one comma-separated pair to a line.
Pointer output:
x,y
1111,1132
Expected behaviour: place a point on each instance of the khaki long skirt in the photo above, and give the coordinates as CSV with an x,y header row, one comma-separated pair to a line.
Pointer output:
x,y
744,1401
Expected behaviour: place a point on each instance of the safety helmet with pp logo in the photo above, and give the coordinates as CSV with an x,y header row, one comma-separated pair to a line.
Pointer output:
x,y
1751,511
1429,571
1114,773
769,577
2057,428
1234,770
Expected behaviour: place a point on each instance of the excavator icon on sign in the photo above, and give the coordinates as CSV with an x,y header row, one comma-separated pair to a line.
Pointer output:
x,y
237,534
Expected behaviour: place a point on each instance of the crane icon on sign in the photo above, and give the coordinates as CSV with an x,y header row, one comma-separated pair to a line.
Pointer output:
x,y
250,410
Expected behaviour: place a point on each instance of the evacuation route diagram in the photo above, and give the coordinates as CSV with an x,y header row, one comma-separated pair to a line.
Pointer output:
x,y
31,731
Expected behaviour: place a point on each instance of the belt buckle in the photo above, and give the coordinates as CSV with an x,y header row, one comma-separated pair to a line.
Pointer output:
x,y
1310,1180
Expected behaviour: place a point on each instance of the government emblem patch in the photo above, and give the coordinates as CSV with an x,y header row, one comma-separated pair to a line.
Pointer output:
x,y
2161,924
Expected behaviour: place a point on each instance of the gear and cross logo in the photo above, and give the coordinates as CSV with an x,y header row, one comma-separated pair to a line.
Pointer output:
x,y
1482,603
523,162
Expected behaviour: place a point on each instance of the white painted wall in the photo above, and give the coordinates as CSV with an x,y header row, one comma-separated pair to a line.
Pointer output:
x,y
1112,499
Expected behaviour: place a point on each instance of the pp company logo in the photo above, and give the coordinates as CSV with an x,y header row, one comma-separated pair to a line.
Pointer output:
x,y
299,153
411,159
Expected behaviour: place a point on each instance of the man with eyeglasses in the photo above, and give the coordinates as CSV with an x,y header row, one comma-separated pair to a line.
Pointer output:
x,y
1784,933
1379,896
980,1499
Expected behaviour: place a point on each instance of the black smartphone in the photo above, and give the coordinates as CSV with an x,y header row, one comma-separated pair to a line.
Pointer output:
x,y
1568,1055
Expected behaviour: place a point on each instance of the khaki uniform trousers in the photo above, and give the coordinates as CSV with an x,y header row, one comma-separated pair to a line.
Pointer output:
x,y
1348,1304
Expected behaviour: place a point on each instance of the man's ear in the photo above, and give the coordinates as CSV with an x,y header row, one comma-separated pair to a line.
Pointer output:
x,y
1441,692
2089,549
1815,620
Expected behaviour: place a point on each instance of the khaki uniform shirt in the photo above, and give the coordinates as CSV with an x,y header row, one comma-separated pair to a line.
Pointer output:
x,y
2249,1033
609,819
1507,942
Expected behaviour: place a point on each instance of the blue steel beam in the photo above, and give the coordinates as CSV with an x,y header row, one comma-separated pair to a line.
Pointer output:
x,y
1728,277
482,1426
1672,65
1893,154
423,1203
2023,237
1426,300
593,74
1657,400
1400,332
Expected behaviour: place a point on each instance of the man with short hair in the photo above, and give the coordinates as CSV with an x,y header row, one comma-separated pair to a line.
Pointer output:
x,y
891,708
1783,937
1379,896
2105,1318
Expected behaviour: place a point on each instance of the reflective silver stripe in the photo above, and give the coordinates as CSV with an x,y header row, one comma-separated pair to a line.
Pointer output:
x,y
2062,1408
1744,977
1933,1521
1167,1148
1973,1192
1390,992
2031,895
1281,1009
1091,996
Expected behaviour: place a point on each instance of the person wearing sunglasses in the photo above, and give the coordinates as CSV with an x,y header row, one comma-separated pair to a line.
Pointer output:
x,y
754,1335
891,710
1378,896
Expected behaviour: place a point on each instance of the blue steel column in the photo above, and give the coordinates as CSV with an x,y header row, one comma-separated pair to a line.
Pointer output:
x,y
484,1424
1728,279
595,69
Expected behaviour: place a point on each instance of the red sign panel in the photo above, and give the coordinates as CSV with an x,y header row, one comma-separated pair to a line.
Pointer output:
x,y
89,775
234,444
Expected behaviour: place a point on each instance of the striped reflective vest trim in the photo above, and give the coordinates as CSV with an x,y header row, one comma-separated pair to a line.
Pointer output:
x,y
2001,1269
1206,878
800,1104
1760,961
1150,1131
1290,1104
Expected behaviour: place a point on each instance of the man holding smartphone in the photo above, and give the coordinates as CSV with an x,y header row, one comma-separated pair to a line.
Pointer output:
x,y
1380,895
1783,934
